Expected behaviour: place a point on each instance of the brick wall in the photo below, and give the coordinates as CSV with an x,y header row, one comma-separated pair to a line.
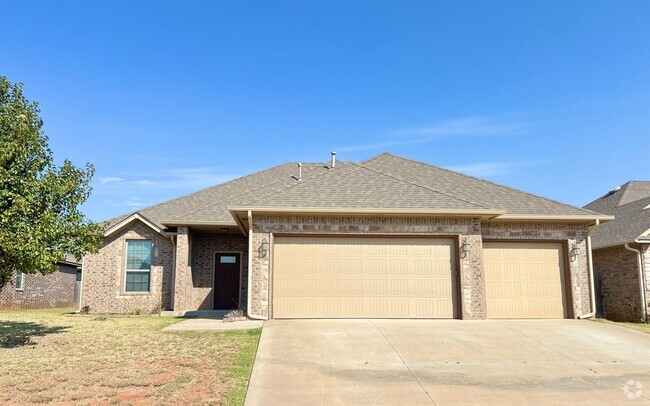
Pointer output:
x,y
204,247
104,273
472,281
574,234
41,291
472,284
617,270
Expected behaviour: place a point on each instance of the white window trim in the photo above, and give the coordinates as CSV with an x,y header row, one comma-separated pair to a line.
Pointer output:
x,y
22,282
126,270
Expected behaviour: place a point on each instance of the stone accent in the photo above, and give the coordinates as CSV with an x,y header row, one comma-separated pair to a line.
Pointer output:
x,y
183,272
192,255
41,291
616,269
194,252
464,229
470,230
204,248
575,234
104,274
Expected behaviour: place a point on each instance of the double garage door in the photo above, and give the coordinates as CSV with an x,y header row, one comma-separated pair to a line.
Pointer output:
x,y
348,277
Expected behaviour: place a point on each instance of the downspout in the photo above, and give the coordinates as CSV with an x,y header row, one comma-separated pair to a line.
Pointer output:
x,y
81,285
590,263
173,287
641,288
249,304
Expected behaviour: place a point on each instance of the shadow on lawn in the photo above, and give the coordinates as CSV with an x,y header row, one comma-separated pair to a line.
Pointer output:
x,y
19,333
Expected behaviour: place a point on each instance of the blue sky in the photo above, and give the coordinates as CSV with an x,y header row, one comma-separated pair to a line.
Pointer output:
x,y
165,98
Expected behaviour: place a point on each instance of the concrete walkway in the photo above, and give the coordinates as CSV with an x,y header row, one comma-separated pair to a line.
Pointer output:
x,y
450,362
212,321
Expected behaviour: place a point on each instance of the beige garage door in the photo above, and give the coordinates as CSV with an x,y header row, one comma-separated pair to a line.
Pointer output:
x,y
524,280
321,277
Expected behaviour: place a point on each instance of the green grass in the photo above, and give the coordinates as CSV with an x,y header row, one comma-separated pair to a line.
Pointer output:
x,y
636,326
51,356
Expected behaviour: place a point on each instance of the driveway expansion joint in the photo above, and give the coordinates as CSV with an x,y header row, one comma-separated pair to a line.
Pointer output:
x,y
403,362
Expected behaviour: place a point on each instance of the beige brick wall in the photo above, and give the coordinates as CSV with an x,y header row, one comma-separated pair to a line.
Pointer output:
x,y
194,259
192,254
204,248
41,291
472,281
472,285
574,234
617,270
104,273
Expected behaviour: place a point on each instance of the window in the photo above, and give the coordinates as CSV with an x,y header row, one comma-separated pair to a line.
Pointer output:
x,y
228,259
78,275
19,281
138,265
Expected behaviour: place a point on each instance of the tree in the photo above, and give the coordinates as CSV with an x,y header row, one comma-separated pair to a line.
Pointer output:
x,y
40,221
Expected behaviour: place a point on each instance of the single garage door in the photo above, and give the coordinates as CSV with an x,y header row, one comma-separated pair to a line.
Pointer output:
x,y
524,280
337,277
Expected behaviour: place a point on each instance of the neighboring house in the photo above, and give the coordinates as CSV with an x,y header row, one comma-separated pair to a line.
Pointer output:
x,y
388,237
37,291
621,252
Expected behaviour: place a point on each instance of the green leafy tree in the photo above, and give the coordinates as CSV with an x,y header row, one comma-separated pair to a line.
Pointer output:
x,y
40,221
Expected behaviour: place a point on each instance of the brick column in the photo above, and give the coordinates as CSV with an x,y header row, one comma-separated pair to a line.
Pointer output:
x,y
472,277
183,271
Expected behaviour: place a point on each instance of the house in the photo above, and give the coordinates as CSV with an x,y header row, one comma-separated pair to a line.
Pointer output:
x,y
621,252
37,291
388,237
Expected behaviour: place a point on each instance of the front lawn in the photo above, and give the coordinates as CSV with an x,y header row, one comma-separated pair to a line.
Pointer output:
x,y
636,326
53,356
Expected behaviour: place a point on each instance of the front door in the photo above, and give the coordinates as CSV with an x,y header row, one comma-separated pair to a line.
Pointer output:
x,y
226,281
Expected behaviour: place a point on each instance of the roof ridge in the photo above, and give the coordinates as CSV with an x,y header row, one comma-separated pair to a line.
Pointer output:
x,y
238,195
354,164
487,181
625,189
424,187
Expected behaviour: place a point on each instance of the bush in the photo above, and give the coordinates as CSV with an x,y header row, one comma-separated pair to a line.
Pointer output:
x,y
136,311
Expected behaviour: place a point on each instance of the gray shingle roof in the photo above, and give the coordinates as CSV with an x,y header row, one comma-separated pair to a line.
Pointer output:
x,y
383,182
216,199
479,191
628,205
359,187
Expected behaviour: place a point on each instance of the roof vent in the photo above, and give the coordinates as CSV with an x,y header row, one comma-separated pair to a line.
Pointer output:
x,y
614,190
299,171
333,159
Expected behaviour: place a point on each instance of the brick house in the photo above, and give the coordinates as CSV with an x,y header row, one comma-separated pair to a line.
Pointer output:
x,y
388,237
37,291
621,252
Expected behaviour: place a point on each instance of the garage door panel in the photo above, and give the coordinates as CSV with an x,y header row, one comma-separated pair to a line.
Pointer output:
x,y
371,277
524,280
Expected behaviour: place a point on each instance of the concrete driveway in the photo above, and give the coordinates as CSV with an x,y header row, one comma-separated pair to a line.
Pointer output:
x,y
444,362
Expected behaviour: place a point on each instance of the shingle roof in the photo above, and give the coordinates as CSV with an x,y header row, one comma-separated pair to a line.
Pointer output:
x,y
383,182
628,205
215,199
479,191
356,186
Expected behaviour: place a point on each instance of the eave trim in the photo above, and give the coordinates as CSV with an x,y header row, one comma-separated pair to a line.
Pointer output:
x,y
128,220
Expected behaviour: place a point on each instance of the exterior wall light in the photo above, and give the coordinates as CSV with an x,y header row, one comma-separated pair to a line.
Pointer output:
x,y
264,248
465,248
574,253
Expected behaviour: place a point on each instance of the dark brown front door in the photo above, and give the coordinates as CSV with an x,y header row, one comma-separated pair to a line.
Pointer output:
x,y
226,281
